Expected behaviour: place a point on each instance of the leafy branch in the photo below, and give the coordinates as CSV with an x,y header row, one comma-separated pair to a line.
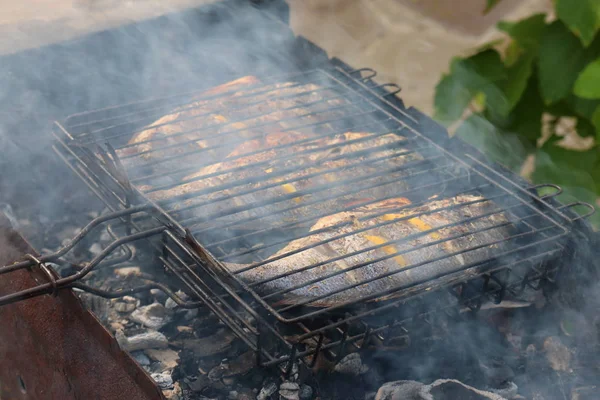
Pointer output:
x,y
531,94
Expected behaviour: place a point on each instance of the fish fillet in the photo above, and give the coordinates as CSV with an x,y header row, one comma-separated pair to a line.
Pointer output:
x,y
393,255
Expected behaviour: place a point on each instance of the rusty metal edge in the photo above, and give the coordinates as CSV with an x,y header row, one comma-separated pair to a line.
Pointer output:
x,y
52,347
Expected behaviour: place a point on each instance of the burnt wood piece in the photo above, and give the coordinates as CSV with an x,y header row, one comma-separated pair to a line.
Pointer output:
x,y
51,347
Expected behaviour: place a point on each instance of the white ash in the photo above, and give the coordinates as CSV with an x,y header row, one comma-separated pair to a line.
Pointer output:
x,y
96,249
267,391
123,307
168,359
412,390
170,303
153,316
127,271
142,341
289,391
164,379
351,365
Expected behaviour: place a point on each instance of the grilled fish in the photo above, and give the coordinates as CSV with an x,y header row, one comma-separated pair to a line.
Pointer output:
x,y
258,180
374,250
206,130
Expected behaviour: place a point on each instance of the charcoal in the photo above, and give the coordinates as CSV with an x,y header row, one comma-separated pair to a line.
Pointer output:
x,y
306,392
208,346
267,391
153,316
351,365
441,389
289,391
142,341
170,303
167,358
163,380
123,307
141,358
242,364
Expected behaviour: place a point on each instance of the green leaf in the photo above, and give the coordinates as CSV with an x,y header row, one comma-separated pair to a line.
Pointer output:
x,y
581,16
489,5
452,97
484,72
561,59
596,121
506,149
517,77
468,77
587,85
527,32
582,107
567,168
481,68
585,128
525,119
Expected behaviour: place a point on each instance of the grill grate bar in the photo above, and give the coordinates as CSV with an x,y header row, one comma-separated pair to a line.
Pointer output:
x,y
300,193
347,223
211,113
308,203
312,219
138,104
282,172
387,292
395,254
301,126
530,231
278,147
212,126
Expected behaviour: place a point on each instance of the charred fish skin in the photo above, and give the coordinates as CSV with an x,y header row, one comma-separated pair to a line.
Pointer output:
x,y
430,252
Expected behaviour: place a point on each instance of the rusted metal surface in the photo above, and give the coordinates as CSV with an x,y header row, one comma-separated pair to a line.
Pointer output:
x,y
51,347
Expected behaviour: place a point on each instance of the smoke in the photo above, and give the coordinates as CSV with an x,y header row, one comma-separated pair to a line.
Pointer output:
x,y
179,52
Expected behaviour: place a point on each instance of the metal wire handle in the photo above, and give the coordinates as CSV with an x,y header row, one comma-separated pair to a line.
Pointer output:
x,y
54,284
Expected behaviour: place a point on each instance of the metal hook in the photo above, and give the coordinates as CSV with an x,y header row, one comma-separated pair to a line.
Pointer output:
x,y
385,85
558,189
46,271
580,203
372,73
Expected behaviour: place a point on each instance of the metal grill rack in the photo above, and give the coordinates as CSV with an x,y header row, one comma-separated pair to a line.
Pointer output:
x,y
189,238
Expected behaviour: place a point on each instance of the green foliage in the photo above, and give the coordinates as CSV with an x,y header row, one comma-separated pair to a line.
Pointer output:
x,y
516,100
587,85
581,16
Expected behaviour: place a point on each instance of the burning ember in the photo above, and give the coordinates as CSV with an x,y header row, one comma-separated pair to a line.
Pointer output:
x,y
307,236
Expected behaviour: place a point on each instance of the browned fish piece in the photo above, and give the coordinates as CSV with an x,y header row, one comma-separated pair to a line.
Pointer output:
x,y
400,243
171,124
278,177
210,124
